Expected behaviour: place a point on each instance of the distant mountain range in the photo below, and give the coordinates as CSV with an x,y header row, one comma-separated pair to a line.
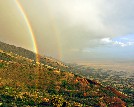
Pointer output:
x,y
25,82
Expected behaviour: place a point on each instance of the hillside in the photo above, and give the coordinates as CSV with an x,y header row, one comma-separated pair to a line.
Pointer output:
x,y
25,82
31,55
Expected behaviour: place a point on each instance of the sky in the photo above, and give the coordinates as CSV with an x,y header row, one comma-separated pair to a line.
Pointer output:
x,y
72,30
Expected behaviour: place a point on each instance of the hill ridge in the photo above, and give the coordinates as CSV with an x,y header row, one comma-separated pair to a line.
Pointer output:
x,y
35,83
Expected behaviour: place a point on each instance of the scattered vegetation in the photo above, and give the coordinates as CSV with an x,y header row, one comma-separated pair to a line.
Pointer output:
x,y
25,82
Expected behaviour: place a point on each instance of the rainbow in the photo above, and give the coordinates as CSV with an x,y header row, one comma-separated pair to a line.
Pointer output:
x,y
20,8
54,27
56,31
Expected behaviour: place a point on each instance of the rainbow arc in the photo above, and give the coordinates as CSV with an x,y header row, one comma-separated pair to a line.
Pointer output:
x,y
31,32
27,22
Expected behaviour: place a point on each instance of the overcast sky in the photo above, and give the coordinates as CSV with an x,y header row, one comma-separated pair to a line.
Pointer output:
x,y
72,30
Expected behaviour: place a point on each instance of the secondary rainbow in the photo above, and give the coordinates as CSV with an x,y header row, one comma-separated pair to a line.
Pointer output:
x,y
20,8
55,29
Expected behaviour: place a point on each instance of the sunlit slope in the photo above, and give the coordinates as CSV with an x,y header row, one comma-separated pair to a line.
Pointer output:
x,y
31,55
24,81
